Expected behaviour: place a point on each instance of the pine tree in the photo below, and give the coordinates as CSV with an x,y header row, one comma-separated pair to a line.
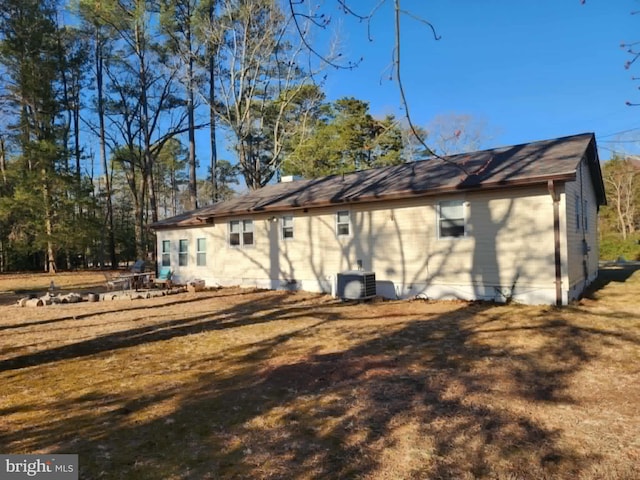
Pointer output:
x,y
344,139
29,53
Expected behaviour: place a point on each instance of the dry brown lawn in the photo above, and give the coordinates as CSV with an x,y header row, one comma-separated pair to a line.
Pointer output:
x,y
250,384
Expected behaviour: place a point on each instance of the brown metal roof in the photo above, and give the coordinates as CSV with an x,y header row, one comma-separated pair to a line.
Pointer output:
x,y
503,167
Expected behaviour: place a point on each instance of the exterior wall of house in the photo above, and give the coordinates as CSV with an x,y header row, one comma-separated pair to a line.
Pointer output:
x,y
513,245
507,252
190,271
582,232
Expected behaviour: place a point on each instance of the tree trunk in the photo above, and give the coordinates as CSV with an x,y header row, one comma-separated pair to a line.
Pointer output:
x,y
212,117
111,242
76,144
48,224
193,186
621,218
174,191
3,161
139,224
147,159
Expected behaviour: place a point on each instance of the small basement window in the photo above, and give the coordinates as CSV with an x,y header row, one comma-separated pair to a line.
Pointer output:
x,y
451,219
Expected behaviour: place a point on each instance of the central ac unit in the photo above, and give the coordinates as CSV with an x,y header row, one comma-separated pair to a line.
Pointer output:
x,y
356,285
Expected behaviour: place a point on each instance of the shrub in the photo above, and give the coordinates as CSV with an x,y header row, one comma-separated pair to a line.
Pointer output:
x,y
613,246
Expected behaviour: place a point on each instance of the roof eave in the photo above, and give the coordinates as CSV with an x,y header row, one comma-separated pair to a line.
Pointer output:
x,y
203,220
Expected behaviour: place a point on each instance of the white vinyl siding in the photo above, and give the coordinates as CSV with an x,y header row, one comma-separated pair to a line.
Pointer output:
x,y
509,242
582,205
585,212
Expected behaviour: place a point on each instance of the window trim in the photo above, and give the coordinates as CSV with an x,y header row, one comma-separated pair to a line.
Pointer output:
x,y
183,253
465,219
167,253
348,223
239,233
201,252
283,227
241,222
253,233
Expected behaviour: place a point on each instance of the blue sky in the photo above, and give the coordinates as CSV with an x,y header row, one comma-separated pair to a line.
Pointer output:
x,y
532,69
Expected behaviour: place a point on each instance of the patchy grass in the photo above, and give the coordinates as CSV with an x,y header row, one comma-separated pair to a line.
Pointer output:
x,y
19,283
251,384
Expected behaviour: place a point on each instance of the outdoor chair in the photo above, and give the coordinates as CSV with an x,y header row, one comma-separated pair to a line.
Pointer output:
x,y
164,277
138,267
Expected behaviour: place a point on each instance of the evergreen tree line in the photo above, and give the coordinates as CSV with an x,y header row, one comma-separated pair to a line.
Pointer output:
x,y
102,101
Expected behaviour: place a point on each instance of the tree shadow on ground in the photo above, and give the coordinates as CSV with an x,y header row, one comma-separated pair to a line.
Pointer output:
x,y
111,307
236,316
619,273
445,396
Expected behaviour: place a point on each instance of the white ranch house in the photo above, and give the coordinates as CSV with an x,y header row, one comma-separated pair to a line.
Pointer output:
x,y
521,224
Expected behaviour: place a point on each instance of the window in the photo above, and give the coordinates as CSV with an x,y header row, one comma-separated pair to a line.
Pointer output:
x,y
451,219
240,233
247,232
343,222
201,252
234,233
166,253
287,227
183,253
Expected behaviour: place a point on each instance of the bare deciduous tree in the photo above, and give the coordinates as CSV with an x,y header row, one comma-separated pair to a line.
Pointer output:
x,y
622,178
144,108
263,67
453,133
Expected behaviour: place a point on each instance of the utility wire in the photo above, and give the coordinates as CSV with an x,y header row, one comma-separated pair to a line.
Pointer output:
x,y
619,133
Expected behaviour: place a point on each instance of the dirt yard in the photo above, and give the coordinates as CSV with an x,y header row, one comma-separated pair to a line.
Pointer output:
x,y
250,384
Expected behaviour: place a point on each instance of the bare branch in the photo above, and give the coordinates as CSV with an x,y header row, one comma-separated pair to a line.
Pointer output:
x,y
403,97
363,18
425,22
323,24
